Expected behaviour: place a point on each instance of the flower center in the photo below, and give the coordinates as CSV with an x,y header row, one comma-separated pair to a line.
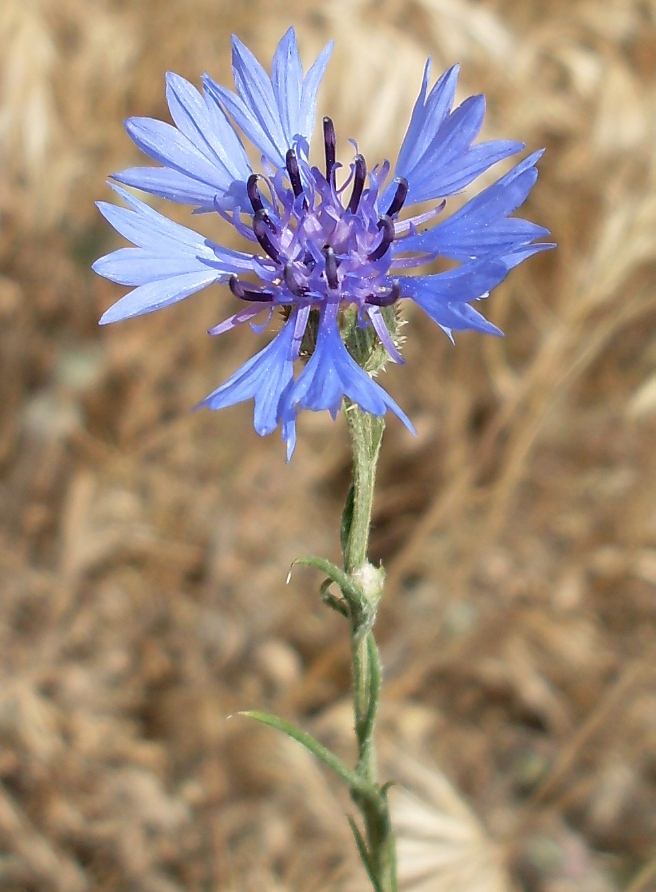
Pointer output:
x,y
320,245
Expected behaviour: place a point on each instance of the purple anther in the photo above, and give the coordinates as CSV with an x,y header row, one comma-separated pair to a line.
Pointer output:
x,y
254,193
248,293
292,282
331,268
359,176
291,163
386,238
399,197
329,143
385,298
262,227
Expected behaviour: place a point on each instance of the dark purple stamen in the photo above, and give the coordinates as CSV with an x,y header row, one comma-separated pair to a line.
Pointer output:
x,y
329,143
359,176
385,298
386,238
292,282
262,226
248,293
399,197
254,193
291,163
331,268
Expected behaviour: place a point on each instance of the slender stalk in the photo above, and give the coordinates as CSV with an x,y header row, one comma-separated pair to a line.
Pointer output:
x,y
366,435
366,438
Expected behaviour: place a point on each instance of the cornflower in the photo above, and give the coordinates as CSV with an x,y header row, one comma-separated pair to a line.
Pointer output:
x,y
333,259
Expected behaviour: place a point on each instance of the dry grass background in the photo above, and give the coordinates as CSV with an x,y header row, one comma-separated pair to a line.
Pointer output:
x,y
143,549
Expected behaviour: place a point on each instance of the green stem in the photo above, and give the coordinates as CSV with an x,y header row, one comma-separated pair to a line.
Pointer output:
x,y
366,438
366,435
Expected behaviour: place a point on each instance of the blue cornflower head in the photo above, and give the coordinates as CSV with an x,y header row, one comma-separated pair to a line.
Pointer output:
x,y
333,258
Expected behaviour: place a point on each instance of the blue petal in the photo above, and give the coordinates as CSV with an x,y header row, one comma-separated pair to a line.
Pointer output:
x,y
145,227
266,378
310,90
452,174
427,117
135,266
174,186
459,129
332,374
163,143
445,296
169,263
253,108
203,158
289,433
523,252
272,112
481,226
206,126
468,282
436,155
287,82
462,317
158,294
150,230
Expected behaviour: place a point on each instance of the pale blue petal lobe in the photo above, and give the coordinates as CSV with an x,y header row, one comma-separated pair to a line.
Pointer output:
x,y
266,378
310,89
158,294
287,82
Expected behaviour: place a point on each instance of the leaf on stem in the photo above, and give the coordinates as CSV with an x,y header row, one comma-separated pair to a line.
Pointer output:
x,y
347,519
351,592
364,854
356,784
374,687
331,600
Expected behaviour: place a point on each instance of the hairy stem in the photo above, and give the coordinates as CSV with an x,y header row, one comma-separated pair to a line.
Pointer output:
x,y
379,852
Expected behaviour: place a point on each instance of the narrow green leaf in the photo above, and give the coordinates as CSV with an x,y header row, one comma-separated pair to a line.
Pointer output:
x,y
364,854
374,686
347,519
331,600
350,591
355,783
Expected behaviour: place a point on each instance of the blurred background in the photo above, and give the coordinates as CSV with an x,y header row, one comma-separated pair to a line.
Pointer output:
x,y
144,548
